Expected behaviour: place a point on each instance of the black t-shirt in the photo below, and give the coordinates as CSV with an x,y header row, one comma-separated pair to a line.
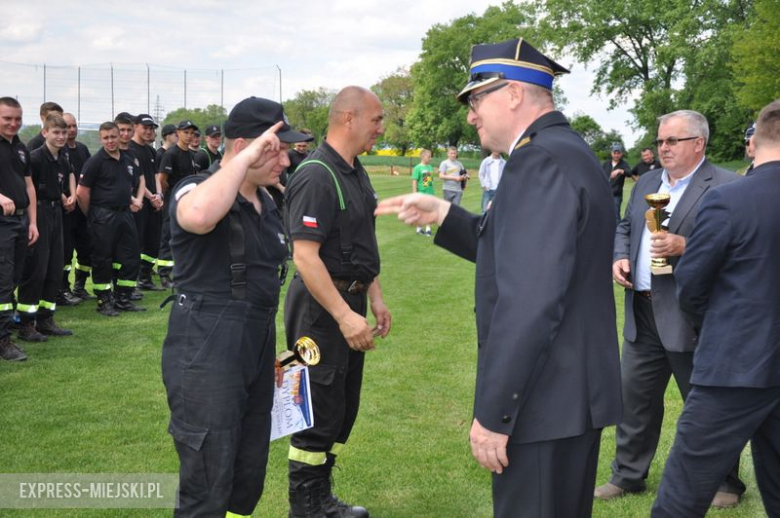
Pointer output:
x,y
313,208
202,262
77,156
642,167
201,160
617,182
36,142
178,164
146,161
295,160
112,182
14,166
159,156
213,157
49,175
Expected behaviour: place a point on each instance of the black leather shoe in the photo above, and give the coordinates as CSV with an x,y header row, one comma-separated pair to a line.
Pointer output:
x,y
66,298
47,326
124,304
28,333
136,295
11,352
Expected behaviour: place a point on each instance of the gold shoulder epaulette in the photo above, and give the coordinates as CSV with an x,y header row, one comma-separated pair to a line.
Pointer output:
x,y
522,143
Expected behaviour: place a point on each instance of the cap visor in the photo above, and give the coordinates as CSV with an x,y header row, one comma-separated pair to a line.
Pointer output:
x,y
291,136
473,85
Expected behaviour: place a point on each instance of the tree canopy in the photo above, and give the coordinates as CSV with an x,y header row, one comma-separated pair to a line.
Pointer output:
x,y
395,92
309,109
201,117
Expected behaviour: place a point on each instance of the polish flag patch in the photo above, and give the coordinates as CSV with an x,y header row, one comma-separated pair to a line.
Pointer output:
x,y
310,222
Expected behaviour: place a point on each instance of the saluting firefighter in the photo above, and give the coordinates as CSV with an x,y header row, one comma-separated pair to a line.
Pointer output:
x,y
218,357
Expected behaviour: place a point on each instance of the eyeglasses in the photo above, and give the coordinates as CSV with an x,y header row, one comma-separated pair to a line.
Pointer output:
x,y
672,141
474,99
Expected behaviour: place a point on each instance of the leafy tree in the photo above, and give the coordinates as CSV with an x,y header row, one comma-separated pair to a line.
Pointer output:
x,y
212,114
309,109
395,92
755,55
587,127
668,54
436,116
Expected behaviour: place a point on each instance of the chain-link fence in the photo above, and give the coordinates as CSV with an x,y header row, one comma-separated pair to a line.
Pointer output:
x,y
96,93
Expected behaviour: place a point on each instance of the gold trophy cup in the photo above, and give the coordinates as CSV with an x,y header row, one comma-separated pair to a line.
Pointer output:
x,y
654,217
305,352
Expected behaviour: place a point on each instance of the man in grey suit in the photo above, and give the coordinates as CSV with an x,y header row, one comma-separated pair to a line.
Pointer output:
x,y
659,342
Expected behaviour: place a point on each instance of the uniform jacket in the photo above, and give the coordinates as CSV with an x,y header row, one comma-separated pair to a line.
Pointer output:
x,y
729,278
548,364
675,331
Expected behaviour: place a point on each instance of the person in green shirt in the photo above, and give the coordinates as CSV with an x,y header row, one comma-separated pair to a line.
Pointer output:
x,y
422,181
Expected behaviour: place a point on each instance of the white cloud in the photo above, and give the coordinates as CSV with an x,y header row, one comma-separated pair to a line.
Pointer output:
x,y
316,44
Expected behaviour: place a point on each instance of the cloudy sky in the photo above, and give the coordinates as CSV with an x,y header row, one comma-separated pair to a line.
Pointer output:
x,y
313,43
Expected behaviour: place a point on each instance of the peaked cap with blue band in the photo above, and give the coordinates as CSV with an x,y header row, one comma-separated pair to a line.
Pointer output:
x,y
515,60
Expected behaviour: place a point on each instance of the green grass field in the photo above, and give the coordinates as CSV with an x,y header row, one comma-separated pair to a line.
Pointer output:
x,y
94,402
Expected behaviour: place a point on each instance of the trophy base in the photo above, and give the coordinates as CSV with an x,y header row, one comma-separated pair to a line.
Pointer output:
x,y
661,270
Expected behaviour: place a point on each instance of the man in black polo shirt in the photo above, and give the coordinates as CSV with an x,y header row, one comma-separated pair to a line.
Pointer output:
x,y
221,399
330,205
47,108
176,164
108,191
213,141
42,273
169,139
148,218
18,227
74,225
648,163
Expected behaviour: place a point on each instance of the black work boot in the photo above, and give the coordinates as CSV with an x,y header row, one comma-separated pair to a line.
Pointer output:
x,y
145,281
305,491
165,281
306,500
135,294
66,298
47,326
123,302
331,504
11,352
105,303
79,284
28,333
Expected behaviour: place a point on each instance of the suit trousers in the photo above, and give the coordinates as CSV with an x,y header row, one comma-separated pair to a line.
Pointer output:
x,y
646,367
548,479
715,426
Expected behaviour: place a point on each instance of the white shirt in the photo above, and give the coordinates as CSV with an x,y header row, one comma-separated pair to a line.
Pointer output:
x,y
642,275
490,172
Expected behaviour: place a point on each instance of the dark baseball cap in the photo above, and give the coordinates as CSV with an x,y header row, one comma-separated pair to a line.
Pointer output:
x,y
253,116
145,120
213,129
124,115
616,146
168,129
186,124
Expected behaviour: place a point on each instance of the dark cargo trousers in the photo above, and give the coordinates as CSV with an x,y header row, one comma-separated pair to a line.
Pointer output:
x,y
42,272
13,248
218,370
335,382
114,239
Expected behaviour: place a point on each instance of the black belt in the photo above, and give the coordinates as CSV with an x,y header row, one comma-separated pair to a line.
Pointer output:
x,y
646,294
18,212
50,203
352,287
